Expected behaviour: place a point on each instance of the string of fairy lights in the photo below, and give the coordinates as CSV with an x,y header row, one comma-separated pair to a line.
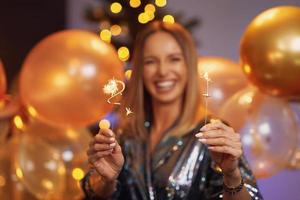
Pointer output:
x,y
144,17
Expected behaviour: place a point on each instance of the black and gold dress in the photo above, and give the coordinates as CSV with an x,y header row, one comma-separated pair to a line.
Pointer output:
x,y
179,168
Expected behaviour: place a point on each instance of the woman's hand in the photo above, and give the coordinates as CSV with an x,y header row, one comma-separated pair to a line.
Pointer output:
x,y
224,145
105,155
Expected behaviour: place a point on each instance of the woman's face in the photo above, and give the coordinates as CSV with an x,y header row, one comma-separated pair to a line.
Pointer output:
x,y
165,71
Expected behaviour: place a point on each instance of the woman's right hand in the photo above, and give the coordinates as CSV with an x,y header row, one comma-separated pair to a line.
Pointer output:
x,y
105,155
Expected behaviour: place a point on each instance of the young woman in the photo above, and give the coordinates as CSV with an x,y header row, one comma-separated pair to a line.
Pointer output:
x,y
160,152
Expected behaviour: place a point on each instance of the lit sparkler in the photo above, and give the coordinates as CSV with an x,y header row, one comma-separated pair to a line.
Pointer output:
x,y
206,94
111,88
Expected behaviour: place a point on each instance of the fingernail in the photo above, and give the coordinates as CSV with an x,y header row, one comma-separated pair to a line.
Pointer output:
x,y
112,139
199,134
112,144
203,128
202,140
110,133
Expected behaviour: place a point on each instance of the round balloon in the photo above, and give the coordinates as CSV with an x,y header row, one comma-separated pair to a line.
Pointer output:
x,y
39,167
10,186
295,161
226,79
270,51
270,136
71,144
4,130
241,104
2,82
63,76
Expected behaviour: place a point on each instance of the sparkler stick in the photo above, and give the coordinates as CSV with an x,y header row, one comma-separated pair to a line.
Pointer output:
x,y
206,95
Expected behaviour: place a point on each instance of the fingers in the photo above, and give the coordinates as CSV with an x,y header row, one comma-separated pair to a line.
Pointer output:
x,y
221,142
218,133
103,144
226,149
216,124
220,138
94,157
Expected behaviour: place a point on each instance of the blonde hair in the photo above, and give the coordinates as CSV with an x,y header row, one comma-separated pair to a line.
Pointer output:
x,y
138,99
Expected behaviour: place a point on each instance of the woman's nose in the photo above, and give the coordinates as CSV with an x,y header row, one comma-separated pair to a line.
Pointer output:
x,y
162,69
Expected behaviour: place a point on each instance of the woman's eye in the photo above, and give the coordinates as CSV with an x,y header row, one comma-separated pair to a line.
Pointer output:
x,y
175,59
148,62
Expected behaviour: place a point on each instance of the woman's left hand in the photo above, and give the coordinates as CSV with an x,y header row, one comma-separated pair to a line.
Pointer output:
x,y
224,144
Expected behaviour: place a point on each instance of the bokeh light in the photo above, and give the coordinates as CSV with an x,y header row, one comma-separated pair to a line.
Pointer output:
x,y
115,30
160,3
143,18
123,53
134,3
150,8
105,35
128,74
169,19
18,122
116,7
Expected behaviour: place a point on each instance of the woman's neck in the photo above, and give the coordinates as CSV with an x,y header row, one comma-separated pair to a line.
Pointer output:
x,y
165,115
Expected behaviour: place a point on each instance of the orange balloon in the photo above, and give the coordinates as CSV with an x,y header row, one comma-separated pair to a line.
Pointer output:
x,y
269,136
270,51
4,130
2,81
71,144
226,79
39,167
10,186
240,104
63,76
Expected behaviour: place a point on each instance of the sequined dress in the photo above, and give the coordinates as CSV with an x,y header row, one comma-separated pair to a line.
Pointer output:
x,y
179,168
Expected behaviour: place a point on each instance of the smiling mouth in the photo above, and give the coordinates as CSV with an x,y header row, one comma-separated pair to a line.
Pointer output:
x,y
164,86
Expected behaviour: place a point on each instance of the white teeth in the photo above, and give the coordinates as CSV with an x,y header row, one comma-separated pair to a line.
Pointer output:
x,y
165,83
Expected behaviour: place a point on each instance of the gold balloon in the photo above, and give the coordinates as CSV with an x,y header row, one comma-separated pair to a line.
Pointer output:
x,y
6,188
226,79
39,167
241,104
295,161
269,136
2,81
4,130
63,76
10,186
71,144
270,51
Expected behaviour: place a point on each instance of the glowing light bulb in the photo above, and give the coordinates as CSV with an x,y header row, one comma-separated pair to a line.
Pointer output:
x,y
169,19
134,3
77,174
105,35
161,3
143,18
128,74
115,7
123,53
115,30
150,8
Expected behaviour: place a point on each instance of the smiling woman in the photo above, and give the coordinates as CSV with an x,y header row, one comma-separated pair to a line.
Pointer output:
x,y
156,153
165,72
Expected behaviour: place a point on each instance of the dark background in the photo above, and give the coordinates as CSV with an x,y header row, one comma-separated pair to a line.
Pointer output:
x,y
22,24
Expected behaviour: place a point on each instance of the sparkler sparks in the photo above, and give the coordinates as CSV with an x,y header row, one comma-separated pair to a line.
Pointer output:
x,y
111,88
128,111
